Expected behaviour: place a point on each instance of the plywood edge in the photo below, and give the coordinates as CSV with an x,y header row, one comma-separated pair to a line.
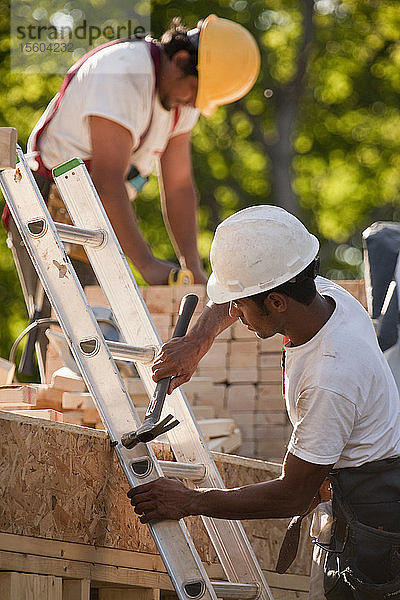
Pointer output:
x,y
38,422
231,459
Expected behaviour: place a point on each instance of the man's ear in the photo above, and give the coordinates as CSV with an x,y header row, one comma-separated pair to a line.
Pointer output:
x,y
180,59
277,302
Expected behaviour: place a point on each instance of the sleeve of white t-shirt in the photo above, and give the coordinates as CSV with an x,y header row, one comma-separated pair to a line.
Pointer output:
x,y
127,100
324,424
188,118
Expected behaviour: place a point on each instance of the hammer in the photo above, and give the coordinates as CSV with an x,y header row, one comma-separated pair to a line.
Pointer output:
x,y
152,426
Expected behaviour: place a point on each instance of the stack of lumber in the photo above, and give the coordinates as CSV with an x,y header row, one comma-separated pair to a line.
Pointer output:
x,y
239,379
67,400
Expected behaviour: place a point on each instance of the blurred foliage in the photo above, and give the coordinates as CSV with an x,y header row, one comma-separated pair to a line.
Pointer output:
x,y
319,133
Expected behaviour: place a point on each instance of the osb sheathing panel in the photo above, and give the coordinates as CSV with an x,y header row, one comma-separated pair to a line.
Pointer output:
x,y
63,482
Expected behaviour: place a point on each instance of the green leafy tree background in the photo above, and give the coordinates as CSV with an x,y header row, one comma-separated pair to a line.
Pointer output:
x,y
319,134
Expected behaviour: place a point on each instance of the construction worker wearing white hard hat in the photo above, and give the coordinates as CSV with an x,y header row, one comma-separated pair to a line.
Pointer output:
x,y
340,395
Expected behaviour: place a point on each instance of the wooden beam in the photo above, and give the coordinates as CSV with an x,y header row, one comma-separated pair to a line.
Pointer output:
x,y
8,147
24,586
66,380
76,589
26,394
133,594
228,443
28,563
42,413
86,553
215,428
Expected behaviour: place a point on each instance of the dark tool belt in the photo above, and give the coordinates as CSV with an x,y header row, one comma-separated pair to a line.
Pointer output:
x,y
363,557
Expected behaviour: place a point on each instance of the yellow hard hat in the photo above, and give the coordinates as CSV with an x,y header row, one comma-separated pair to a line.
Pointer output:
x,y
228,63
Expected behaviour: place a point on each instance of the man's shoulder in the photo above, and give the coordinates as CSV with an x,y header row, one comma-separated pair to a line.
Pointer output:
x,y
122,58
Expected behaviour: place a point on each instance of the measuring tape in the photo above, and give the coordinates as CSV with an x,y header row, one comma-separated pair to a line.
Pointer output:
x,y
180,277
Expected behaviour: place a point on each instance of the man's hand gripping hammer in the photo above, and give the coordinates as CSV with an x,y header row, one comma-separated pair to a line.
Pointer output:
x,y
152,426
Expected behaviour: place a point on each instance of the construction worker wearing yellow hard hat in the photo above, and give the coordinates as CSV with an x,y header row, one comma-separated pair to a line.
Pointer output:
x,y
128,106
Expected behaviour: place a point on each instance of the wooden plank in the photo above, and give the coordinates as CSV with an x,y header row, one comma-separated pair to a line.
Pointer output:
x,y
159,299
133,594
28,563
216,374
270,375
76,589
270,360
269,397
213,428
95,295
204,412
42,413
24,586
226,444
241,397
77,400
8,147
242,354
74,417
240,375
25,394
272,344
7,370
84,553
68,381
216,357
48,397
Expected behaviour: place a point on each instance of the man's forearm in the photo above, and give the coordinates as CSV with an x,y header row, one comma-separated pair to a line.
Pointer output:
x,y
179,357
266,500
213,320
123,219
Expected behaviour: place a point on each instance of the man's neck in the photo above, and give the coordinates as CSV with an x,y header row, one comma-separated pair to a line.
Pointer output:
x,y
307,320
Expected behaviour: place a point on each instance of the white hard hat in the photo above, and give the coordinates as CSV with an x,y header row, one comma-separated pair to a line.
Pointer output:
x,y
257,249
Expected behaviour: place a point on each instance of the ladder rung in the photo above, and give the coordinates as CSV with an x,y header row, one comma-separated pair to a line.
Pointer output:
x,y
77,235
243,591
122,351
192,471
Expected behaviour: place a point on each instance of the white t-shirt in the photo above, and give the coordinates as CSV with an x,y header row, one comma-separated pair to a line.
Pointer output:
x,y
117,83
340,393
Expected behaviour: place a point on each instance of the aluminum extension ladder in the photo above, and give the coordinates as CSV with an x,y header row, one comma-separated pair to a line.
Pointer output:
x,y
44,241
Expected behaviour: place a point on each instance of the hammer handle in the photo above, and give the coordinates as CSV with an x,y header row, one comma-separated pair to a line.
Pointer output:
x,y
186,310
